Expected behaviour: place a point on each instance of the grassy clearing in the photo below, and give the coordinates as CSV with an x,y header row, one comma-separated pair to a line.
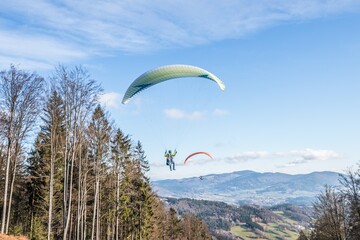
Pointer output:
x,y
244,233
284,229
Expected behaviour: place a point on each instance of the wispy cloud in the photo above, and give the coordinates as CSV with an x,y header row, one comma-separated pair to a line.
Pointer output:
x,y
309,155
111,99
246,156
32,50
220,112
175,113
50,31
295,157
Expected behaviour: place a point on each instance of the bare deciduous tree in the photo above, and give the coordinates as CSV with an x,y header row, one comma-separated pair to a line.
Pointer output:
x,y
20,98
79,94
330,216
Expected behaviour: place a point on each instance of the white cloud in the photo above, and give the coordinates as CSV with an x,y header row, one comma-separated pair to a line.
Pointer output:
x,y
308,155
220,112
111,99
179,114
175,113
298,156
70,30
245,156
312,154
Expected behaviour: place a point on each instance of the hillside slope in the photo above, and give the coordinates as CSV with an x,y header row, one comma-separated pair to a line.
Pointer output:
x,y
247,221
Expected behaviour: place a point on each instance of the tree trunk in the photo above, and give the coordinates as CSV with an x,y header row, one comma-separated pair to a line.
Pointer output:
x,y
98,213
10,197
3,221
117,205
79,212
95,207
68,120
70,193
51,191
65,183
83,207
31,223
85,214
74,145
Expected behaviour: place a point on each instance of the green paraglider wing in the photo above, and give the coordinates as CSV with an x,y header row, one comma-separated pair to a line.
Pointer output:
x,y
164,73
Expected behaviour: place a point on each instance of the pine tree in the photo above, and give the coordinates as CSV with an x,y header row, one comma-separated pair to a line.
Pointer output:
x,y
127,199
194,229
99,139
302,236
52,134
37,189
159,220
120,154
146,195
174,230
139,155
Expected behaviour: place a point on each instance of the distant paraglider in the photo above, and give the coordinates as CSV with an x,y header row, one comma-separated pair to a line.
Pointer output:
x,y
161,74
196,153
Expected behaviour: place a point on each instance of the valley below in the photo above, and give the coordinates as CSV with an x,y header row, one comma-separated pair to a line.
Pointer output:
x,y
248,204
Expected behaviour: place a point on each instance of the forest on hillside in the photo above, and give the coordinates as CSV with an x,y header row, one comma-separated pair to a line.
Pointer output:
x,y
231,221
67,171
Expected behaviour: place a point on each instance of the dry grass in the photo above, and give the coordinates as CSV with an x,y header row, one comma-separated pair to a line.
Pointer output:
x,y
11,237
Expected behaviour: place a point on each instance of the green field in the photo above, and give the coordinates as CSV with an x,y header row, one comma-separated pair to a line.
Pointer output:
x,y
244,233
284,229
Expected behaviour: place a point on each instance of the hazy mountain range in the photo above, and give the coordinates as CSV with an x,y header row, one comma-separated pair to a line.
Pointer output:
x,y
249,187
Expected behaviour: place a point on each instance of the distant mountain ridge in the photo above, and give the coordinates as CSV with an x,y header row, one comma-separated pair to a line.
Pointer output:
x,y
249,187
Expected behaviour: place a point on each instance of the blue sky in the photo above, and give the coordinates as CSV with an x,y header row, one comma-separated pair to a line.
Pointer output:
x,y
291,70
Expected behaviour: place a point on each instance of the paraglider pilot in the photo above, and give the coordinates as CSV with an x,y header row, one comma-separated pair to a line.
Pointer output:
x,y
170,159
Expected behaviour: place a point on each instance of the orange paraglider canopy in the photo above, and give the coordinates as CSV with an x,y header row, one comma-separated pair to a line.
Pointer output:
x,y
196,153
